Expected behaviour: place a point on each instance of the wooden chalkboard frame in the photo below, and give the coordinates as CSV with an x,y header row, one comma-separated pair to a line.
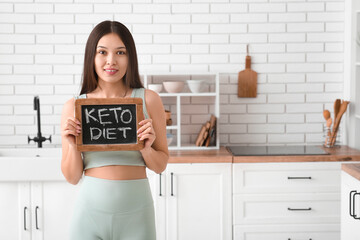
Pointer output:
x,y
109,101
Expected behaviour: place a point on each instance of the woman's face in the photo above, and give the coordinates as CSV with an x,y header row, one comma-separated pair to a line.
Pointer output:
x,y
111,59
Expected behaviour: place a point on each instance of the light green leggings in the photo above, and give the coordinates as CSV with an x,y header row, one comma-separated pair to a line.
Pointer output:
x,y
113,210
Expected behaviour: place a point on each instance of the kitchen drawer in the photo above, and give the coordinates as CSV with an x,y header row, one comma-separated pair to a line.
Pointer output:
x,y
286,208
286,177
287,232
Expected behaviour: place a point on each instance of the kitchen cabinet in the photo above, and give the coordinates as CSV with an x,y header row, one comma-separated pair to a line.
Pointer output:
x,y
193,201
10,211
286,200
287,232
36,210
157,183
352,70
350,207
208,100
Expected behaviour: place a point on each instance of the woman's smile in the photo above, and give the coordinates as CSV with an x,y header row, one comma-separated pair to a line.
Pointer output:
x,y
111,71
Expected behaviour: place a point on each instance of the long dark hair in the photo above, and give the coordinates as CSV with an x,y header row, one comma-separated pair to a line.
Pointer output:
x,y
90,78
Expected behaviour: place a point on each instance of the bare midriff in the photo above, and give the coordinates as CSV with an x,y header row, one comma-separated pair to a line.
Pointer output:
x,y
117,172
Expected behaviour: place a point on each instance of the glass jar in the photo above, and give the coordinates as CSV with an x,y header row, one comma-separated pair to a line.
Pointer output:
x,y
331,139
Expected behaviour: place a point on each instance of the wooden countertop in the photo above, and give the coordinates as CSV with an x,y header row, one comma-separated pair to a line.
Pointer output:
x,y
340,154
201,156
353,169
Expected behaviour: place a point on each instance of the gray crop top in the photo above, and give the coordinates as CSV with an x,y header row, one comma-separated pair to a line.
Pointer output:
x,y
107,158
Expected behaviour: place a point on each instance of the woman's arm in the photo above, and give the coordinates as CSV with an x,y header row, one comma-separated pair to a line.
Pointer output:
x,y
71,161
153,131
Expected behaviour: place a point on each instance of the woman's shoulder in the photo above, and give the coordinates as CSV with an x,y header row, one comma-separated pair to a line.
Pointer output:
x,y
69,105
151,96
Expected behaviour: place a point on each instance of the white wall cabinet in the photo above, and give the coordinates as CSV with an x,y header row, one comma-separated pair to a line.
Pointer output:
x,y
286,201
36,210
350,207
193,201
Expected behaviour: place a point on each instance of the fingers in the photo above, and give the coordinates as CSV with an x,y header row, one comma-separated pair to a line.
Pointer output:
x,y
72,127
146,125
147,130
151,137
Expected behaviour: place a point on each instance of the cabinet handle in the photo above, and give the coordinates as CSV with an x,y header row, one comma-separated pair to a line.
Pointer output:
x,y
299,209
36,217
160,184
290,239
172,184
351,209
299,178
355,216
25,210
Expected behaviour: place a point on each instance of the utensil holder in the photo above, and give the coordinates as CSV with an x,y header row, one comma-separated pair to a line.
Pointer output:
x,y
329,137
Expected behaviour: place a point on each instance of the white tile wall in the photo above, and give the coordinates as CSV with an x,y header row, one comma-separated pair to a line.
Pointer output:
x,y
296,47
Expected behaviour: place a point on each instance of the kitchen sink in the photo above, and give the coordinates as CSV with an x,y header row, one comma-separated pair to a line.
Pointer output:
x,y
30,152
30,164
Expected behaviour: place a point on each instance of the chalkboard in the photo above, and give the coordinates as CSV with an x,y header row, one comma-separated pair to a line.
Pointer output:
x,y
109,124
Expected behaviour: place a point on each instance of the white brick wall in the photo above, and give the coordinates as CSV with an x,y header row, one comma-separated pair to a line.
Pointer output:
x,y
296,48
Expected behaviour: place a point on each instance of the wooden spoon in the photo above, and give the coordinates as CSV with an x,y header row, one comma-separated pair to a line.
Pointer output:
x,y
337,105
328,131
326,114
341,112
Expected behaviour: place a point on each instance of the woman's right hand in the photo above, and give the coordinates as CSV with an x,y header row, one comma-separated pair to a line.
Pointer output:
x,y
71,129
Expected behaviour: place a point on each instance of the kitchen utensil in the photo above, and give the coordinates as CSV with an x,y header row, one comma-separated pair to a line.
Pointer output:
x,y
195,85
328,132
337,104
326,114
247,79
206,133
211,130
201,137
173,87
329,122
342,110
156,87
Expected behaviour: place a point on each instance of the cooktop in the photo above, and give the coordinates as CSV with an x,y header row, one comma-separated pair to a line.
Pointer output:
x,y
275,150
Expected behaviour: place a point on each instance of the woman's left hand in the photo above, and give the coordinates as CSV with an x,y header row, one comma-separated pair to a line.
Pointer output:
x,y
146,132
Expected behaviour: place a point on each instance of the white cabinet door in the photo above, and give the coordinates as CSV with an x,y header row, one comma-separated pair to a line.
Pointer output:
x,y
157,185
15,210
36,210
56,205
286,177
286,208
287,232
349,226
199,201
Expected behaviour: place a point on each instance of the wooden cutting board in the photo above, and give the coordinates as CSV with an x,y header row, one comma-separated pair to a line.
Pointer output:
x,y
247,81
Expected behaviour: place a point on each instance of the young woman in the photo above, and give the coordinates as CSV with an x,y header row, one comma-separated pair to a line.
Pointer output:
x,y
114,201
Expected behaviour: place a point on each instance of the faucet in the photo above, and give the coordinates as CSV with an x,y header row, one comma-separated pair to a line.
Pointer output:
x,y
39,138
